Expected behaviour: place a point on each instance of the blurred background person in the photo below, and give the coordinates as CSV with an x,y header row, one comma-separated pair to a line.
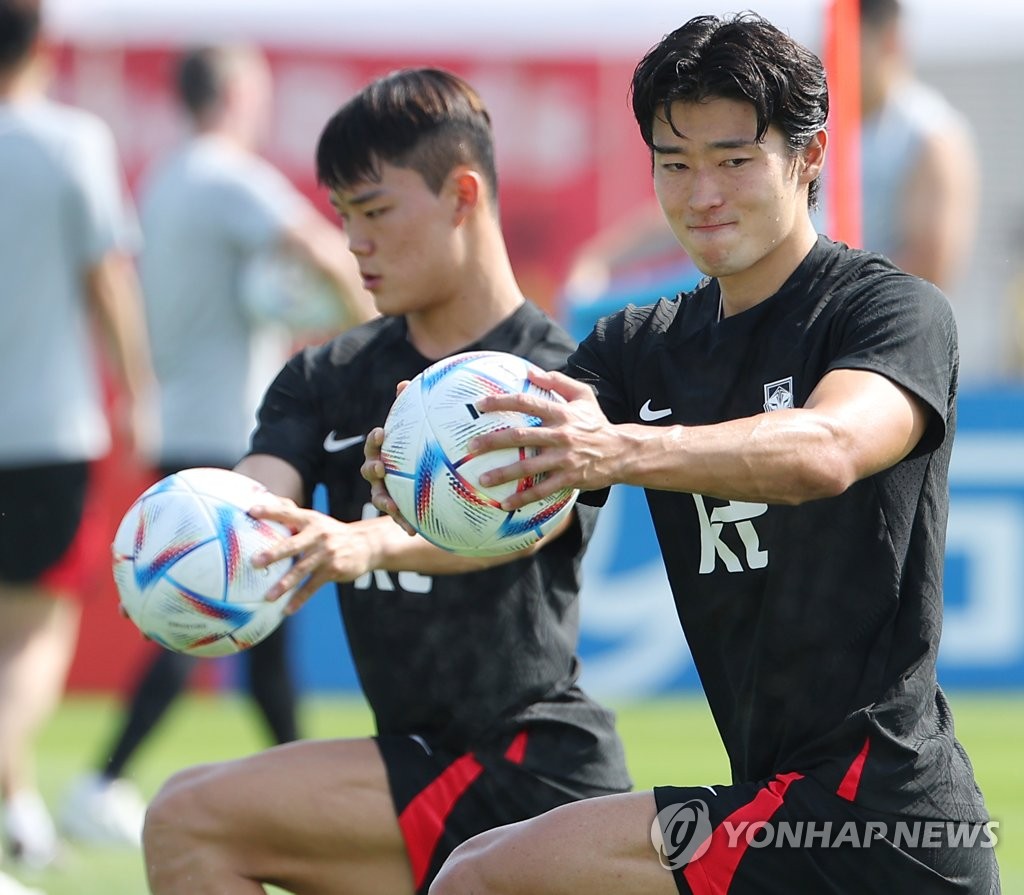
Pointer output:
x,y
209,210
919,167
66,234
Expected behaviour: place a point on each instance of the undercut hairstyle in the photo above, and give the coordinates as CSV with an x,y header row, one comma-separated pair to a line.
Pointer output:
x,y
203,74
424,119
743,58
20,23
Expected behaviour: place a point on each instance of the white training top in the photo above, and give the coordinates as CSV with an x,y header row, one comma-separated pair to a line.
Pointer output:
x,y
890,146
206,210
63,208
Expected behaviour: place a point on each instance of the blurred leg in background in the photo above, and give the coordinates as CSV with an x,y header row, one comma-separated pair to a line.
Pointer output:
x,y
44,533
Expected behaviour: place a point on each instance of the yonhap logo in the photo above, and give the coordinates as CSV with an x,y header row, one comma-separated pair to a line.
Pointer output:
x,y
681,833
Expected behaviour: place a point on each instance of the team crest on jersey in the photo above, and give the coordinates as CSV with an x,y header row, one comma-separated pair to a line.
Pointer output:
x,y
778,395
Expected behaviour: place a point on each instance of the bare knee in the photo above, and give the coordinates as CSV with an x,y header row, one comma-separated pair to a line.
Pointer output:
x,y
177,827
177,805
469,869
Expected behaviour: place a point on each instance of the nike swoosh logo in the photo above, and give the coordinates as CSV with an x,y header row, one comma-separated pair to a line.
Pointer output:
x,y
649,416
333,444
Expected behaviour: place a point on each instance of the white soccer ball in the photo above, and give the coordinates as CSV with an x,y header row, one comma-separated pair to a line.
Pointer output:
x,y
435,480
182,563
278,288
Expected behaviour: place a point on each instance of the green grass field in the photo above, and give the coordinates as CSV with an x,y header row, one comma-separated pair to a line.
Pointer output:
x,y
671,741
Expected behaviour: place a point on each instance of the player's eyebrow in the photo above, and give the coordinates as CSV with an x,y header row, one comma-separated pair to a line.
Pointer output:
x,y
368,196
357,200
680,149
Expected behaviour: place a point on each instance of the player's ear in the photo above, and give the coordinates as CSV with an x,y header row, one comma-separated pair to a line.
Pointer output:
x,y
468,188
812,158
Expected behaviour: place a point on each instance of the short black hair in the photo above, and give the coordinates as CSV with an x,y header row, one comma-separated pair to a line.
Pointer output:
x,y
20,22
742,57
200,77
425,119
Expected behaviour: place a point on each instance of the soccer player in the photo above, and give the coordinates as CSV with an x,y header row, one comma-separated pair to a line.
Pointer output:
x,y
67,232
468,665
791,419
208,208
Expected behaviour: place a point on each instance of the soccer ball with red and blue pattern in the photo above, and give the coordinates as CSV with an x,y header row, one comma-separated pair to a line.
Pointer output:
x,y
433,477
182,563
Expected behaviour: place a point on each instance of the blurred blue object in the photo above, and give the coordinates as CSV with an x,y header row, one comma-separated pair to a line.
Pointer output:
x,y
641,286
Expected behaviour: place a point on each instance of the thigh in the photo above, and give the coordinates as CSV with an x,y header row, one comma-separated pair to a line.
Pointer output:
x,y
40,511
789,834
600,845
305,816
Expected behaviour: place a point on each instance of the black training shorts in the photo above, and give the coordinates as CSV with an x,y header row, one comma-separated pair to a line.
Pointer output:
x,y
41,508
442,798
790,834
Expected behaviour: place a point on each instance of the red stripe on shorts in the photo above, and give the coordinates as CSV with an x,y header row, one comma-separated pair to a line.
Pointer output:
x,y
516,750
712,873
851,781
423,819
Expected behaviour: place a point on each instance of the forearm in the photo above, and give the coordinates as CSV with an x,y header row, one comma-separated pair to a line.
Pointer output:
x,y
786,457
113,294
392,550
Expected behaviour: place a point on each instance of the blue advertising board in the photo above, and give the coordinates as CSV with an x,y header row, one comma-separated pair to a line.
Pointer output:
x,y
983,633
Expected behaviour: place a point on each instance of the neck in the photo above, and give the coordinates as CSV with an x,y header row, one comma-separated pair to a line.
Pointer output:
x,y
744,290
223,134
22,81
221,123
487,293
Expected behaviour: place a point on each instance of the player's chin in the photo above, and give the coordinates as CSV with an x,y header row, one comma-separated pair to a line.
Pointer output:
x,y
392,302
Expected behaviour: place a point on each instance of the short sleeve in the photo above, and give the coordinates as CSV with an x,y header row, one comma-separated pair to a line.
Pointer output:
x,y
102,212
599,362
288,422
258,204
903,328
